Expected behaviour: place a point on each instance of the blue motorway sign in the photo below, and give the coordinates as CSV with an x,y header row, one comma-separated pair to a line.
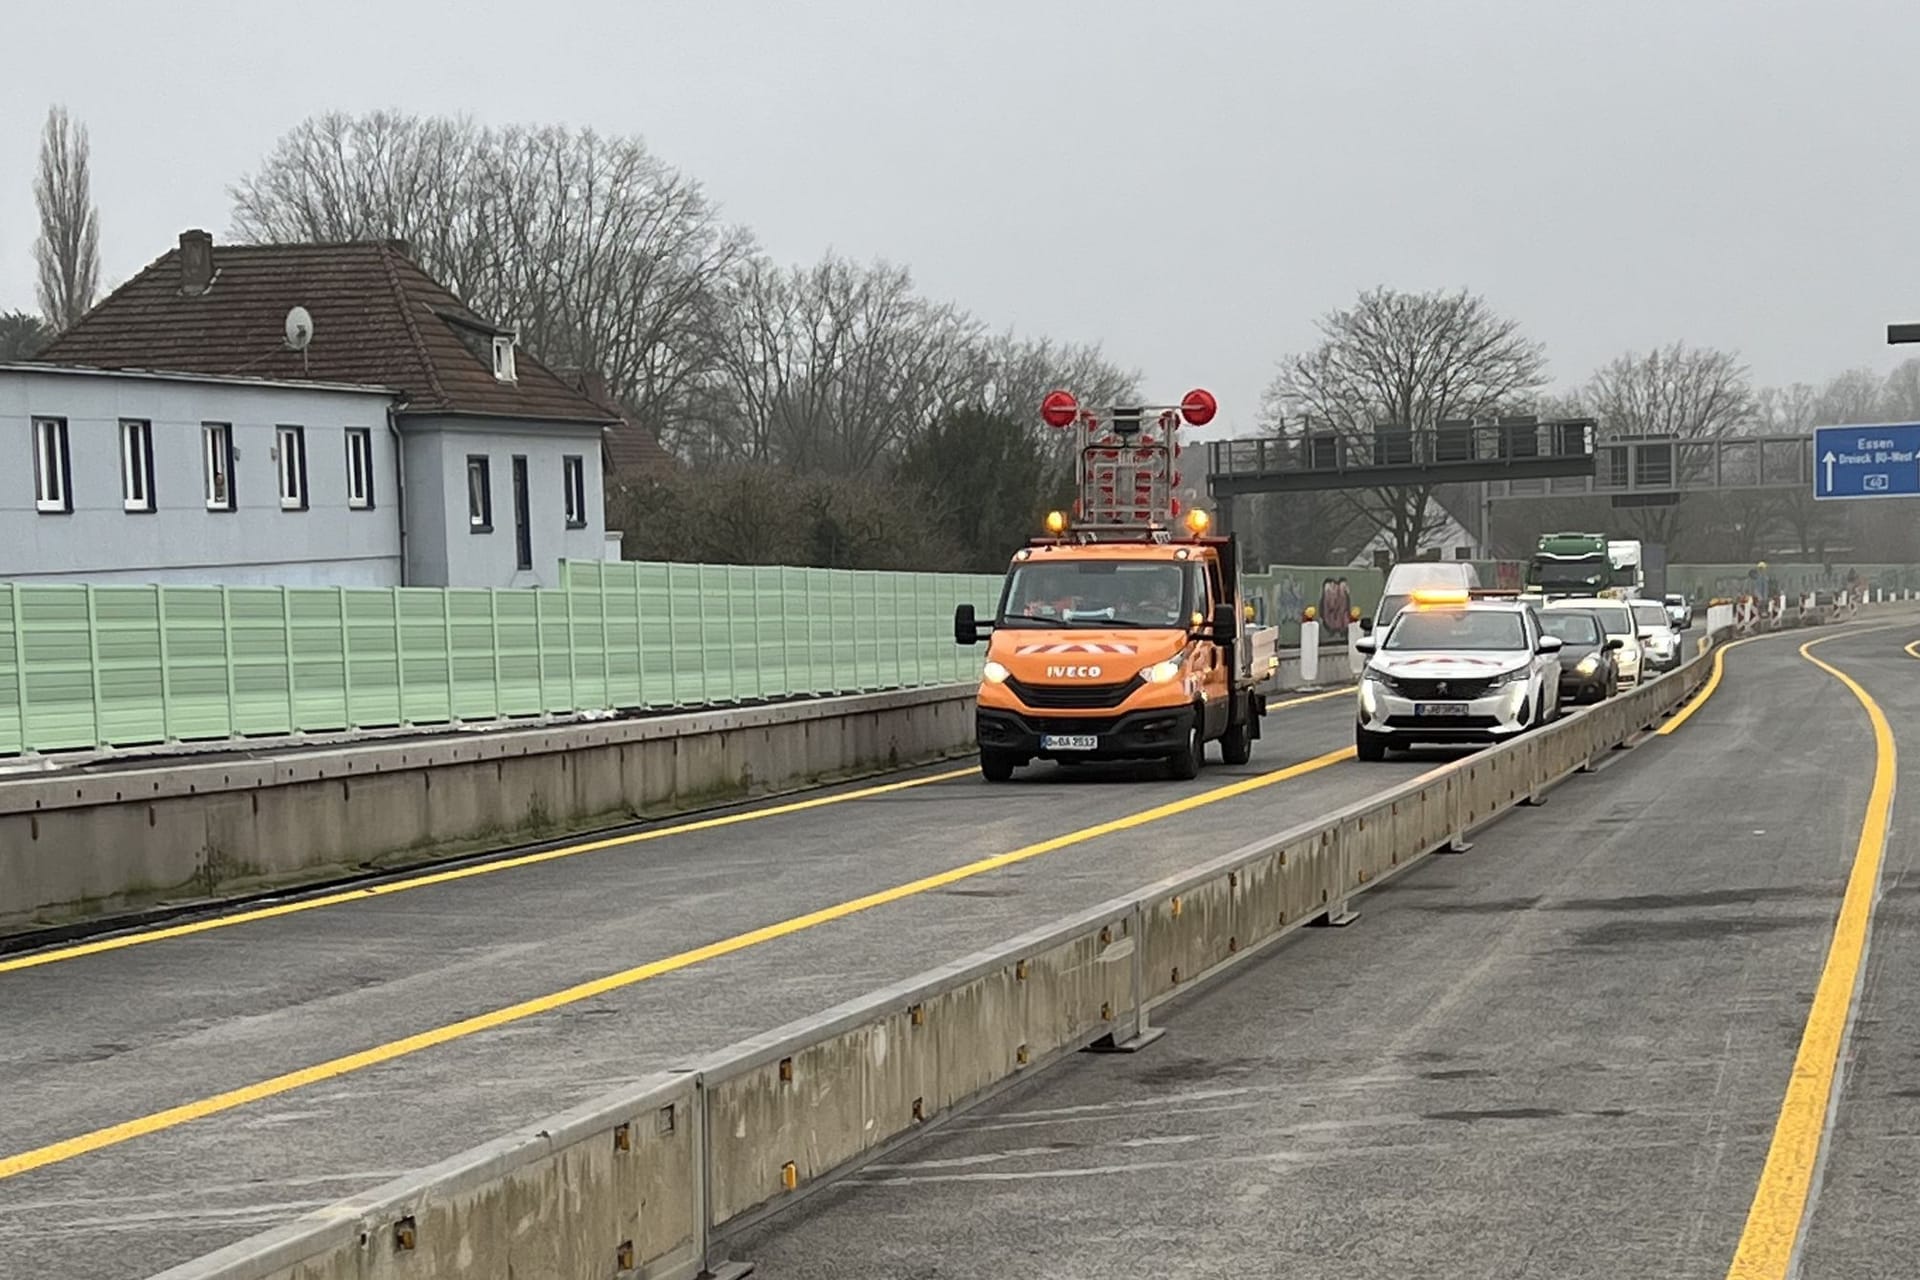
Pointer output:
x,y
1867,462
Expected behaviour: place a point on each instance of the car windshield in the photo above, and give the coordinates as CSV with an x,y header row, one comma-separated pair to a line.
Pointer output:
x,y
1615,618
1572,628
1651,614
1486,629
1096,593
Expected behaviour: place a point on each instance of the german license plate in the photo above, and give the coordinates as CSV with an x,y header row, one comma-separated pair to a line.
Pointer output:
x,y
1439,708
1069,742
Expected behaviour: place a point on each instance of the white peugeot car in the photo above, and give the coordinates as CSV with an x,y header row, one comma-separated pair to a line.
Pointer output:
x,y
1456,669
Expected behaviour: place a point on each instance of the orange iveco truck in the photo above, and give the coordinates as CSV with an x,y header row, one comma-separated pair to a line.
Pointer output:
x,y
1121,635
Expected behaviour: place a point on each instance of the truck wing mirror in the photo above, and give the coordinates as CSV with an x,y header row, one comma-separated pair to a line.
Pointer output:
x,y
1226,623
966,627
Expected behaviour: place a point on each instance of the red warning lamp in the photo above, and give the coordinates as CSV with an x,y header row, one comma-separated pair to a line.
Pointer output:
x,y
1059,408
1198,407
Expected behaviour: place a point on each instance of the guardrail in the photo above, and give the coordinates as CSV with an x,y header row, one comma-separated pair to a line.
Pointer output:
x,y
648,1181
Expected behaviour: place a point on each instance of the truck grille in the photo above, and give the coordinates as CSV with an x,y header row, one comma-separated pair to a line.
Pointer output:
x,y
1072,697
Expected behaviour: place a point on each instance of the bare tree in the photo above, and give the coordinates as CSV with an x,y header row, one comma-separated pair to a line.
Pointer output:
x,y
1405,360
1687,393
1901,397
607,259
68,251
838,365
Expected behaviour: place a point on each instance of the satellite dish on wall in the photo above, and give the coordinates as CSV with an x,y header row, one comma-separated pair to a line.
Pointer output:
x,y
299,329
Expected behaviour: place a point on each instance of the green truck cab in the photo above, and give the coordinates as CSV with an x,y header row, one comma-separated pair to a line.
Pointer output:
x,y
1571,564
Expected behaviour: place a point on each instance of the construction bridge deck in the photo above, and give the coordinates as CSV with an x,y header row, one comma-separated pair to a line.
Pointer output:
x,y
1565,1052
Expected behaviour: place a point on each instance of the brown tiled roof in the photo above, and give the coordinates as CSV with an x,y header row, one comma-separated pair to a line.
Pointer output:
x,y
632,450
627,449
377,319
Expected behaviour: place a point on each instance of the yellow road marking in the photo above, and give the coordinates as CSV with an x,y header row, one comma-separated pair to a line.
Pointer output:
x,y
1913,650
459,873
1768,1242
165,932
1699,699
126,1131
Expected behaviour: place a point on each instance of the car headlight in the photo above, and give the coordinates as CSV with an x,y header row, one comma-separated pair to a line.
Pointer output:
x,y
1588,665
994,673
1514,676
1162,672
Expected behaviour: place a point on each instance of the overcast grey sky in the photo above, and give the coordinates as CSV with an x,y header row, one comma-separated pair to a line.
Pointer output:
x,y
1188,183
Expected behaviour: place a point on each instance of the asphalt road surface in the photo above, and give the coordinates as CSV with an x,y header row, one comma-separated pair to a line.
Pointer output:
x,y
213,1021
1561,1054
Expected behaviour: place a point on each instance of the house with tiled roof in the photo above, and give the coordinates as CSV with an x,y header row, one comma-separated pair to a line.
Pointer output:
x,y
295,414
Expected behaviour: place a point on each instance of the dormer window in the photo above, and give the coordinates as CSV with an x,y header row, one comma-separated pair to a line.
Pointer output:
x,y
503,358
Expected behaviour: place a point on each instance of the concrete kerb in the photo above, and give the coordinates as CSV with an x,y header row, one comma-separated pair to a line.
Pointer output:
x,y
783,1114
392,1230
42,791
80,848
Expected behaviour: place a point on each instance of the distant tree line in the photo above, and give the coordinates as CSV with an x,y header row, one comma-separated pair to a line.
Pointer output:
x,y
1420,359
826,412
830,413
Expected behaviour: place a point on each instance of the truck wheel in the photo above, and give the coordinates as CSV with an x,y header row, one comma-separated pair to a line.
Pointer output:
x,y
1185,766
996,766
1236,744
1370,747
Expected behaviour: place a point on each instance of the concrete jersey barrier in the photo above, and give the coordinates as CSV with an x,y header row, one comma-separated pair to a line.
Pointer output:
x,y
650,1181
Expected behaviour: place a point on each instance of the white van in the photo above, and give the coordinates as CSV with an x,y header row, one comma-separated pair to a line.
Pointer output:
x,y
1418,575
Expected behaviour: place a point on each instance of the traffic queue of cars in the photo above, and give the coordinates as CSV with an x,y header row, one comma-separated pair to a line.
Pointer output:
x,y
1456,665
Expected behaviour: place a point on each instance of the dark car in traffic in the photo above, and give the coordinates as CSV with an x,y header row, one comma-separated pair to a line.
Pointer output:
x,y
1588,669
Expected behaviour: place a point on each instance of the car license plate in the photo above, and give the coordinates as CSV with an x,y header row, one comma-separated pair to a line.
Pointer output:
x,y
1439,708
1069,742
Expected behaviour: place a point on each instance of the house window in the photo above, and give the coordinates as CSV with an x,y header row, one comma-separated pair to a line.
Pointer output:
x,y
136,464
359,468
479,496
51,492
503,358
293,467
217,449
573,471
522,518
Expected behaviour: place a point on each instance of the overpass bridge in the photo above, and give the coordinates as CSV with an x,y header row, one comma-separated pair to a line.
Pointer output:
x,y
1602,1006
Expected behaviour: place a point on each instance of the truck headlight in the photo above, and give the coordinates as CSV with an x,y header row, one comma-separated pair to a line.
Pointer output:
x,y
1162,672
993,673
1588,665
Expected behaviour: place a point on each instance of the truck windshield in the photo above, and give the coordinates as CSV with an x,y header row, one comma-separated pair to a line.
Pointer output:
x,y
1097,593
1572,575
1456,629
